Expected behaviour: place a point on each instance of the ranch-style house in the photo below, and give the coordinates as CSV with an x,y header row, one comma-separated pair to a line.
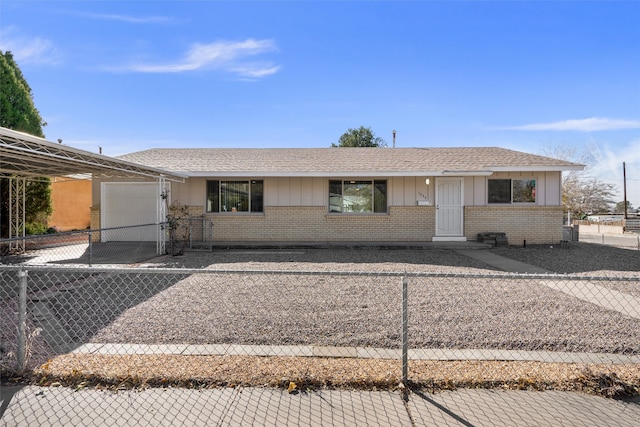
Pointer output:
x,y
339,194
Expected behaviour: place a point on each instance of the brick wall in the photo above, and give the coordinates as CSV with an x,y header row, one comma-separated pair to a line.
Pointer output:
x,y
535,224
95,222
314,224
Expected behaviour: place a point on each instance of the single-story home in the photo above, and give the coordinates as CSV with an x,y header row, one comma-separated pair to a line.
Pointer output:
x,y
340,194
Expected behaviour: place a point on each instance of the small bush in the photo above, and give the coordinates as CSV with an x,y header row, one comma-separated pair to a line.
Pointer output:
x,y
33,228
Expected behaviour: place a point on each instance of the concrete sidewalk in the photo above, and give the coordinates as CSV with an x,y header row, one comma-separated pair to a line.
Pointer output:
x,y
59,406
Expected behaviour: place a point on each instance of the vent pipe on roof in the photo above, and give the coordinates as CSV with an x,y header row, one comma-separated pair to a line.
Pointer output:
x,y
394,138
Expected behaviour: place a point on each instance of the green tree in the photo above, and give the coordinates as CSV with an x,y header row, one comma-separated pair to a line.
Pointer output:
x,y
361,137
18,112
619,209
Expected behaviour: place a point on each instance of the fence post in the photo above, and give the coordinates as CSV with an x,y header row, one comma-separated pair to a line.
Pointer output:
x,y
405,336
22,319
90,247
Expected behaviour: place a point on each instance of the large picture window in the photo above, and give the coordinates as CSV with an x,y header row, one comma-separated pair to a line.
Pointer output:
x,y
512,191
358,196
235,196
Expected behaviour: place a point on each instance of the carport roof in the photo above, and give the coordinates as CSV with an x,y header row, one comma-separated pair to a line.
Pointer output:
x,y
28,156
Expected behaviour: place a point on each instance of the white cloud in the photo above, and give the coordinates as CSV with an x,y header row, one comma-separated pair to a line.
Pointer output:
x,y
255,71
223,55
34,50
580,125
129,19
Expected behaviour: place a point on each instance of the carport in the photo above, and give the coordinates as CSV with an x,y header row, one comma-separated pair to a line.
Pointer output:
x,y
26,158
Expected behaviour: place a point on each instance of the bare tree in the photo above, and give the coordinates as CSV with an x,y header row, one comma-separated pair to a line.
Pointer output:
x,y
581,193
585,196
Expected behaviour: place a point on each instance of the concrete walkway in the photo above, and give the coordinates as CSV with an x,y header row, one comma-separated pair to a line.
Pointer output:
x,y
599,295
584,290
60,406
503,263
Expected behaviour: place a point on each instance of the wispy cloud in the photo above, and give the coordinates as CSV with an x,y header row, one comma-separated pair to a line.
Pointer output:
x,y
34,50
610,159
128,18
223,55
608,168
579,125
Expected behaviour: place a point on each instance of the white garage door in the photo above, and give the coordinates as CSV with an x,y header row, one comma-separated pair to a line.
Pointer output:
x,y
127,204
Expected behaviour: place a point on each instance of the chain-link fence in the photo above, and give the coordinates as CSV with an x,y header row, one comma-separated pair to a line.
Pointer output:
x,y
306,332
109,246
106,246
194,232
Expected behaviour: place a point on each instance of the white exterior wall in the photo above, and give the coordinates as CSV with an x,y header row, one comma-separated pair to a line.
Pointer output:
x,y
402,191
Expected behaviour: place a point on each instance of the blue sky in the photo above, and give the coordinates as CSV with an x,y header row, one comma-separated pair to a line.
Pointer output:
x,y
531,76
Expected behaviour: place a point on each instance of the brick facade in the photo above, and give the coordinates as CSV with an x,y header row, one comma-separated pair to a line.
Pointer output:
x,y
95,222
314,224
536,225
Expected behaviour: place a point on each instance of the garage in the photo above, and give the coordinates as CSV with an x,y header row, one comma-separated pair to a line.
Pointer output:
x,y
130,195
129,204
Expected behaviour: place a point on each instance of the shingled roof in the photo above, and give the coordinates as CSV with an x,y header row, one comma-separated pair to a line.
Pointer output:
x,y
344,161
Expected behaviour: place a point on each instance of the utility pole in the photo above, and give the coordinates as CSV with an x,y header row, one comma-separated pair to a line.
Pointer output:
x,y
624,180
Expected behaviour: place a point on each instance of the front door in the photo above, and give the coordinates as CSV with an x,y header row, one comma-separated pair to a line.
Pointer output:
x,y
449,209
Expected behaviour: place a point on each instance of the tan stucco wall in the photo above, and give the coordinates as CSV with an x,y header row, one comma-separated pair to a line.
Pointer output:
x,y
601,229
71,200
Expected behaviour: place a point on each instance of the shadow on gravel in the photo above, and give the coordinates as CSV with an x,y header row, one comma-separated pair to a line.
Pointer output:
x,y
68,307
579,257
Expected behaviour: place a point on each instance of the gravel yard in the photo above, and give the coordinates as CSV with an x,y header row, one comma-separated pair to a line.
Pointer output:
x,y
365,311
358,309
362,309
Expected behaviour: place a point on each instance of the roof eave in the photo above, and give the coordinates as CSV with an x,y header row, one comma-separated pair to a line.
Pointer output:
x,y
329,174
551,168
